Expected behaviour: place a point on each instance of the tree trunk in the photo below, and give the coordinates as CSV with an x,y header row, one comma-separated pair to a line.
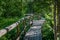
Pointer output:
x,y
55,27
58,17
58,14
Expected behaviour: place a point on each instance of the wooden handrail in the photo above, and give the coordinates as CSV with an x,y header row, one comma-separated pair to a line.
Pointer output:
x,y
30,22
9,28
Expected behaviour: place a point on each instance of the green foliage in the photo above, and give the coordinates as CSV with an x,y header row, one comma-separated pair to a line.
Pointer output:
x,y
44,9
47,32
7,21
12,10
47,28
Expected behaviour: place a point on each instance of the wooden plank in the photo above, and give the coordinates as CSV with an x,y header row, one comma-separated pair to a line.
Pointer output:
x,y
38,22
34,33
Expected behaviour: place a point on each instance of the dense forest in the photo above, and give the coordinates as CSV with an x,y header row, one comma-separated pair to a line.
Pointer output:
x,y
13,10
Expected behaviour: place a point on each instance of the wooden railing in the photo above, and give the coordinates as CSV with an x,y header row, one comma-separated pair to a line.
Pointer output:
x,y
28,17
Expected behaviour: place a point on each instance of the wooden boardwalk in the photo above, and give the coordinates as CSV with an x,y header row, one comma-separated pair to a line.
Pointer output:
x,y
34,33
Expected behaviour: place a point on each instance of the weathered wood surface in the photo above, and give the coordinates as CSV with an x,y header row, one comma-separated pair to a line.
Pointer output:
x,y
34,33
38,22
9,28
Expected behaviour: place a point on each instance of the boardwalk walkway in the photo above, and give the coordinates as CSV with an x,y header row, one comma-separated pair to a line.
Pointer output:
x,y
34,33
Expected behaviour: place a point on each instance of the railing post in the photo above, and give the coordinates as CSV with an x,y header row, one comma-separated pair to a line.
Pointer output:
x,y
7,32
28,21
24,24
39,17
18,31
32,19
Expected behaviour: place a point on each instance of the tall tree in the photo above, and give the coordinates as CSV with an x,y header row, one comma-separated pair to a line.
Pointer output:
x,y
58,17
